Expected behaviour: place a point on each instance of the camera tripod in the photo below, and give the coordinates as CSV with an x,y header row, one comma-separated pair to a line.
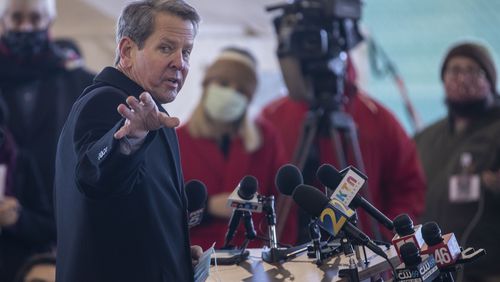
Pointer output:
x,y
326,119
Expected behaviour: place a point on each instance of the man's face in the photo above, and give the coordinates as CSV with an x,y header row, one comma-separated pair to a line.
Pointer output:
x,y
464,80
26,15
162,65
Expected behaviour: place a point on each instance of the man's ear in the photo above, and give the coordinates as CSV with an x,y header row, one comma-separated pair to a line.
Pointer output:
x,y
126,47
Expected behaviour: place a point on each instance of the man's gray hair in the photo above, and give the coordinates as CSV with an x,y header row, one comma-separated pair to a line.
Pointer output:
x,y
49,4
137,20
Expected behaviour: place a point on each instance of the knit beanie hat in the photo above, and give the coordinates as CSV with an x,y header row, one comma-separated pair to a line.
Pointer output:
x,y
480,55
234,65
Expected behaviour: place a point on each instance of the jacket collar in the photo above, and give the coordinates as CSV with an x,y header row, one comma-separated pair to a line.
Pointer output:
x,y
118,79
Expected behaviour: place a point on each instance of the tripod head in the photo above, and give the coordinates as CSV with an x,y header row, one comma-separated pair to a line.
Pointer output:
x,y
313,39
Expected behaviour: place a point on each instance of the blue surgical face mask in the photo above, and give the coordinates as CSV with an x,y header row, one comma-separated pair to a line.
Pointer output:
x,y
224,104
26,45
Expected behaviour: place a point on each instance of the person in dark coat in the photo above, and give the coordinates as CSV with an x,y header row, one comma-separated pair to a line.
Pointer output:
x,y
121,209
461,157
39,82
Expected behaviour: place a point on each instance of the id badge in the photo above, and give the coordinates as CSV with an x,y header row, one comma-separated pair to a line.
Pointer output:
x,y
464,188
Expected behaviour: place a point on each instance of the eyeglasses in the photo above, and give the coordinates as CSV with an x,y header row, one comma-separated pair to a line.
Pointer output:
x,y
471,72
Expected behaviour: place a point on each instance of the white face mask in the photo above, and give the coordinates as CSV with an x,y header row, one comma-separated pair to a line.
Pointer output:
x,y
224,104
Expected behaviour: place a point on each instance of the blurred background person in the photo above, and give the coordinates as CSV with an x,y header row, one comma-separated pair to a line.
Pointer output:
x,y
38,268
39,82
220,144
461,157
26,223
395,178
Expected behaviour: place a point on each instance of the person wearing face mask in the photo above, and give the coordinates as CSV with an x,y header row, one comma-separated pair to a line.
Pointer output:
x,y
461,157
39,81
220,144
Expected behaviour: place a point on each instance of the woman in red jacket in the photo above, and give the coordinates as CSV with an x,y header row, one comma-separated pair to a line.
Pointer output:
x,y
220,145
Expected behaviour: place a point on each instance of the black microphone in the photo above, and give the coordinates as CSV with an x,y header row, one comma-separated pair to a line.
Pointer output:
x,y
415,268
287,178
444,248
332,215
248,187
331,178
246,190
245,197
196,193
406,232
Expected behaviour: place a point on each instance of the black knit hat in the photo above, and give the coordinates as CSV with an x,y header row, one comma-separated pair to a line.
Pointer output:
x,y
480,55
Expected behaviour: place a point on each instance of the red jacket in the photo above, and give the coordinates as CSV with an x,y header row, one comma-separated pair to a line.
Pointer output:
x,y
395,176
203,160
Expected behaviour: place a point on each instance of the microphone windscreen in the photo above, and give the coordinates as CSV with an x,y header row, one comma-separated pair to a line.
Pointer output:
x,y
196,193
329,176
431,233
403,225
410,254
310,199
248,187
287,178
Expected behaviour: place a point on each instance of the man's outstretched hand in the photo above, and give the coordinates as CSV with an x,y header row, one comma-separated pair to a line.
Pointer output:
x,y
141,117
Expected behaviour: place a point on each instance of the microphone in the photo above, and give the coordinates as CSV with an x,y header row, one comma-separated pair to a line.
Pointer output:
x,y
414,268
445,249
196,193
245,197
406,233
287,178
333,216
346,191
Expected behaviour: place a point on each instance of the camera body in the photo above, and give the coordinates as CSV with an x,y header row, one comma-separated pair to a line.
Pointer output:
x,y
313,39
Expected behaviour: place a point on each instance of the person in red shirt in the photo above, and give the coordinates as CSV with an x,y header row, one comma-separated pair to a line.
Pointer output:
x,y
395,177
220,145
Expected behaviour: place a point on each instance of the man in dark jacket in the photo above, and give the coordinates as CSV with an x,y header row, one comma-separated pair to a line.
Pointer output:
x,y
120,204
461,157
39,82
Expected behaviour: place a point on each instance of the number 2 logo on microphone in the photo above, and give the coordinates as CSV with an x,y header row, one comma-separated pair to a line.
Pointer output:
x,y
334,216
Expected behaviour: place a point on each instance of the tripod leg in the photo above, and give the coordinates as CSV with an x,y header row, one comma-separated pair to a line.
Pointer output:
x,y
306,139
337,144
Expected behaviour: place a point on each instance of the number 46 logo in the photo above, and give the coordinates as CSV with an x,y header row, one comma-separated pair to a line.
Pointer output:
x,y
442,256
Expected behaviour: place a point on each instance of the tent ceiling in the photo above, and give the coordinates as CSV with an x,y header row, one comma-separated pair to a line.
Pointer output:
x,y
248,16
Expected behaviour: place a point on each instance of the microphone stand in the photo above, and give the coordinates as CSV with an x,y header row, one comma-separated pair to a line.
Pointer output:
x,y
320,250
468,255
275,254
351,273
250,234
354,220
